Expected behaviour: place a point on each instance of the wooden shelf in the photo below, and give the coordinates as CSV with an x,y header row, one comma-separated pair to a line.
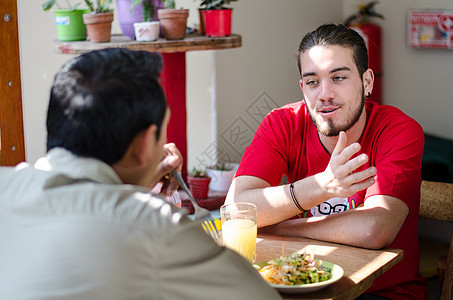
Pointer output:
x,y
192,42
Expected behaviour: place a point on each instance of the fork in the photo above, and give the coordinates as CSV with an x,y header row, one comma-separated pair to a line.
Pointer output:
x,y
200,212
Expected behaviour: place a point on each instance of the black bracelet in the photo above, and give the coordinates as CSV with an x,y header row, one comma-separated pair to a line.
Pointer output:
x,y
293,196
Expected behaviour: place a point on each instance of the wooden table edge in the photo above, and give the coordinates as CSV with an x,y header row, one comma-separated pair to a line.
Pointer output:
x,y
365,284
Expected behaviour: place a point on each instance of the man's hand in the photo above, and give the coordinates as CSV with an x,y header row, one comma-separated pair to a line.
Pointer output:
x,y
338,179
171,161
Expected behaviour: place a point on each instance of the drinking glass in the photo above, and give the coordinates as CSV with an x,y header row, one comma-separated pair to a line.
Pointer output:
x,y
239,228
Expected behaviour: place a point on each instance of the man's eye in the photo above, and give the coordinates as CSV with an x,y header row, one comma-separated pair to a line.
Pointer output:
x,y
311,82
339,78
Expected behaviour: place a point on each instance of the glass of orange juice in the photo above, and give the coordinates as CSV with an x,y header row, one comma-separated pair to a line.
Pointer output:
x,y
239,228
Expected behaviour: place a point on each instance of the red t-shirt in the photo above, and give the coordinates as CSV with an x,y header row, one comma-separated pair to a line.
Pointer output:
x,y
287,142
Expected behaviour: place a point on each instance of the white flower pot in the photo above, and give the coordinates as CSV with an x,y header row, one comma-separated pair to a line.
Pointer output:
x,y
221,180
146,31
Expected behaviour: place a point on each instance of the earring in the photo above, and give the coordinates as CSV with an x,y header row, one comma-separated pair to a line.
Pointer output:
x,y
368,95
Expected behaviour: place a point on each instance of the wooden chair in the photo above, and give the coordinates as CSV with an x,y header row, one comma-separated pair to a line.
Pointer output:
x,y
436,203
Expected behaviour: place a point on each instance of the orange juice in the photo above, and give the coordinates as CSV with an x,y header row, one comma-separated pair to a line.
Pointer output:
x,y
240,235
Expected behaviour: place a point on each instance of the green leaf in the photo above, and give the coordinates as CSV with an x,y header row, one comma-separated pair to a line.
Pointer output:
x,y
135,3
148,11
90,5
170,4
198,172
48,4
217,4
74,7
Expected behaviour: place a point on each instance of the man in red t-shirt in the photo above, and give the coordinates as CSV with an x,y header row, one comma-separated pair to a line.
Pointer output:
x,y
353,166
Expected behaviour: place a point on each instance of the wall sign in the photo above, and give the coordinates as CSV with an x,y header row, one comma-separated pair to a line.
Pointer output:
x,y
430,29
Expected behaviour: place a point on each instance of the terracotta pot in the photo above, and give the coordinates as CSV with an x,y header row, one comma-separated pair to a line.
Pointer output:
x,y
199,186
200,15
99,26
173,23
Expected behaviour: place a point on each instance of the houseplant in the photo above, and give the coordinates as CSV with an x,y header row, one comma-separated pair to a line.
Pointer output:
x,y
146,30
69,21
173,21
99,20
131,11
216,17
199,183
221,176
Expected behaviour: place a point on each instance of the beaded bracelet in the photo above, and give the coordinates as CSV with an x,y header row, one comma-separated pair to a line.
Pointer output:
x,y
293,196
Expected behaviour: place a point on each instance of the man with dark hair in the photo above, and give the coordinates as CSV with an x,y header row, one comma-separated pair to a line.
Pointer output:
x,y
353,166
82,223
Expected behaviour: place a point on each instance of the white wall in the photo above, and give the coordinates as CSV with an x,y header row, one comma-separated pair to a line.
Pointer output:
x,y
39,64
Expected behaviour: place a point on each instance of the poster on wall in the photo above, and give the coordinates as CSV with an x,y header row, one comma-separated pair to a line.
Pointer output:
x,y
430,29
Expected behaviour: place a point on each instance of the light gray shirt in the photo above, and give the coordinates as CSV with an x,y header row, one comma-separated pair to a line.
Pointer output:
x,y
69,229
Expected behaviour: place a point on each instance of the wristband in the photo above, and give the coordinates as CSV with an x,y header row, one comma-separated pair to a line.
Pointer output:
x,y
293,197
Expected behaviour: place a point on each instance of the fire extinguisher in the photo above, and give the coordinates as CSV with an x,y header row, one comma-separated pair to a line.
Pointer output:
x,y
371,33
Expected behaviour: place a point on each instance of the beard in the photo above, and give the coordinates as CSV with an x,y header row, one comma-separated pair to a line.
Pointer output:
x,y
334,129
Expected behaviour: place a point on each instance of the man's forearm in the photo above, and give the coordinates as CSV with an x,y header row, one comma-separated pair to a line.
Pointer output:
x,y
373,226
338,228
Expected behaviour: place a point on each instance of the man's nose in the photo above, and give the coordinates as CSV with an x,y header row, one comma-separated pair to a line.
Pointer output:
x,y
326,91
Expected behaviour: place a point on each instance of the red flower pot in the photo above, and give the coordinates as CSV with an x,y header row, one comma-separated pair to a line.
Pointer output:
x,y
217,22
199,186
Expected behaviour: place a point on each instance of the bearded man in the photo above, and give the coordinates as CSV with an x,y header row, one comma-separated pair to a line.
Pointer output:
x,y
353,166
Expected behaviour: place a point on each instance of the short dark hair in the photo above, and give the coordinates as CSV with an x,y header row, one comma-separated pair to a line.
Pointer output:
x,y
102,99
331,34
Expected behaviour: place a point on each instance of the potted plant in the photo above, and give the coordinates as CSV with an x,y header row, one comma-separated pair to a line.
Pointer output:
x,y
221,176
146,30
216,17
173,21
69,21
131,11
199,183
99,20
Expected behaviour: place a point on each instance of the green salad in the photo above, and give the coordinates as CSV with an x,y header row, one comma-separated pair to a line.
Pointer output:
x,y
296,269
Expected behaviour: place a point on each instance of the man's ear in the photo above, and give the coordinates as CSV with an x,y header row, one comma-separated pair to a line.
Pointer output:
x,y
368,81
301,84
142,143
